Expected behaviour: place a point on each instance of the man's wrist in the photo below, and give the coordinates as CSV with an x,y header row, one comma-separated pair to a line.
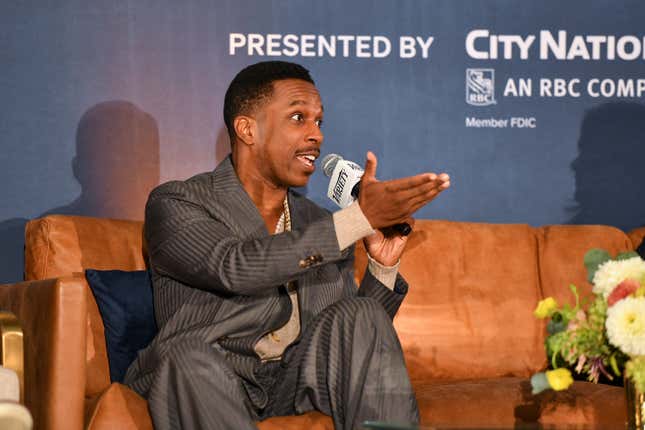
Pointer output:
x,y
351,225
385,274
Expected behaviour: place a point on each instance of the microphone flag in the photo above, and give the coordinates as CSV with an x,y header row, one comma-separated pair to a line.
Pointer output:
x,y
345,176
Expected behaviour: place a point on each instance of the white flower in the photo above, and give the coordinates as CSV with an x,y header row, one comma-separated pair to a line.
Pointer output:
x,y
626,325
611,273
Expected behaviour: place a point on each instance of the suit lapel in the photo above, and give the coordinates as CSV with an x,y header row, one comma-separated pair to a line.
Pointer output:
x,y
296,211
244,218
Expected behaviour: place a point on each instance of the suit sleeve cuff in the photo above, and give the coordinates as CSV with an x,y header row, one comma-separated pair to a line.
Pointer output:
x,y
384,274
351,225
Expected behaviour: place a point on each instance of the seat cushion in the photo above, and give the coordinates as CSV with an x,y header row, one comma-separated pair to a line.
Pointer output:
x,y
496,402
310,421
118,408
125,302
506,402
121,408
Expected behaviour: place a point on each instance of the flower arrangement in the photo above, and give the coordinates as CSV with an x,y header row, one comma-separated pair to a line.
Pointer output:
x,y
604,337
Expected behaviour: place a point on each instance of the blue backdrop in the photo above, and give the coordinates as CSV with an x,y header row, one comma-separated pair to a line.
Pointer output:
x,y
100,101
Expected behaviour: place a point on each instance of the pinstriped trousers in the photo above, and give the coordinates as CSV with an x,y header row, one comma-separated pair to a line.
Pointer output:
x,y
348,364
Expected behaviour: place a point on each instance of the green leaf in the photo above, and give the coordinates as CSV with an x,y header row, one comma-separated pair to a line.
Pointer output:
x,y
539,383
574,290
567,313
614,364
594,258
626,255
554,327
554,344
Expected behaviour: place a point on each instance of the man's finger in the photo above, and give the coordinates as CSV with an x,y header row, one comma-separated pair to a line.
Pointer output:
x,y
417,191
370,166
445,186
423,199
402,184
417,180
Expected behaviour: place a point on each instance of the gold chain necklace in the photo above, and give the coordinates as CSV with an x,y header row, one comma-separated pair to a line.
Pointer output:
x,y
287,215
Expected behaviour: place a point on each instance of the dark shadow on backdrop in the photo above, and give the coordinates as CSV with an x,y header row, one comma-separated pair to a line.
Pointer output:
x,y
116,164
610,167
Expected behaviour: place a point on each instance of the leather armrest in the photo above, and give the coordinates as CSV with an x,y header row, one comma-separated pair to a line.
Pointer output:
x,y
53,313
11,347
636,236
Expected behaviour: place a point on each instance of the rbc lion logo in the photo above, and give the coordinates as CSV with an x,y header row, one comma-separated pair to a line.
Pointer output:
x,y
480,87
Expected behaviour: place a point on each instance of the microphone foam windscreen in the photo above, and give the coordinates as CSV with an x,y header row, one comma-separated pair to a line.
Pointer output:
x,y
329,162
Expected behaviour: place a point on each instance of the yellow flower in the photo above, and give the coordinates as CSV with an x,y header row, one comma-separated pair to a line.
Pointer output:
x,y
559,379
545,308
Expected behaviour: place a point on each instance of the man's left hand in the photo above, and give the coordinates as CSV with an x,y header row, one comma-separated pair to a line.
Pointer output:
x,y
386,245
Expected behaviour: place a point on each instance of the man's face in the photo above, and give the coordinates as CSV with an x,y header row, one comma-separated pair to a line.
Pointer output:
x,y
288,133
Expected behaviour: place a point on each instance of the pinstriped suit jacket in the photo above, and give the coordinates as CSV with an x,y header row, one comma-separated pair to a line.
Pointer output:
x,y
217,272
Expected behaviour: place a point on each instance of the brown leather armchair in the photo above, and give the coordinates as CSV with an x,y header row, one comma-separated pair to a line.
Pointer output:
x,y
466,326
67,382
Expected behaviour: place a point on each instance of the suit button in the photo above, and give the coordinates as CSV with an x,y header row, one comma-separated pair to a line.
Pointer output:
x,y
310,261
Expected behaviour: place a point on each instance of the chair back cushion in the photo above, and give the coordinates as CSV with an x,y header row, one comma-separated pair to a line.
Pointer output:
x,y
561,252
62,245
468,309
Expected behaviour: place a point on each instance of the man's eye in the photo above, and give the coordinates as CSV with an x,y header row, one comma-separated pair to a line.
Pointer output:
x,y
297,117
319,123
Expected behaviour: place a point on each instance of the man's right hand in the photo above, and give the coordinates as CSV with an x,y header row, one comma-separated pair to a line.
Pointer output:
x,y
386,203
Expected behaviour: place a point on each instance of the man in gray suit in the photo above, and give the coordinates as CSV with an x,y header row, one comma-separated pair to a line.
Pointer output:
x,y
254,293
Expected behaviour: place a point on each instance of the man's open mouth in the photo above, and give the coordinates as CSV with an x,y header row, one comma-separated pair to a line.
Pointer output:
x,y
307,159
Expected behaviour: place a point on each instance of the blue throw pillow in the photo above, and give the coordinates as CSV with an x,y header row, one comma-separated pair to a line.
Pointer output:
x,y
125,303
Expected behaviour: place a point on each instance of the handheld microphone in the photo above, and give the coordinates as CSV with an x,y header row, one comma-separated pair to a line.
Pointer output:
x,y
345,183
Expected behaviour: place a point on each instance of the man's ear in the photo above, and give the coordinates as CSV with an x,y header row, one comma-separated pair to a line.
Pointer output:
x,y
245,129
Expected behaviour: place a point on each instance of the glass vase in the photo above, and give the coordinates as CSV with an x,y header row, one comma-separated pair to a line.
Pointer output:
x,y
635,406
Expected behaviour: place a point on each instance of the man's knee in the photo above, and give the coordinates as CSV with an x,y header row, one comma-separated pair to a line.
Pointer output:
x,y
363,309
197,358
370,308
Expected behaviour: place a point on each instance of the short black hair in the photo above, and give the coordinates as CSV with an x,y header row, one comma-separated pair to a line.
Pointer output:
x,y
254,84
